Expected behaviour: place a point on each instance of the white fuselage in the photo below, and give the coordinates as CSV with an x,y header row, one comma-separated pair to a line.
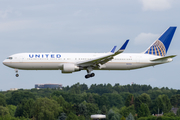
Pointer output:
x,y
55,61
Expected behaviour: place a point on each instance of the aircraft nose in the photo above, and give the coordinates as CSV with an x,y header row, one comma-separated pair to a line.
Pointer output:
x,y
5,62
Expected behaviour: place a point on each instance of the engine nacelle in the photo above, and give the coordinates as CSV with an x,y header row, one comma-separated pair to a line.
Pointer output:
x,y
69,68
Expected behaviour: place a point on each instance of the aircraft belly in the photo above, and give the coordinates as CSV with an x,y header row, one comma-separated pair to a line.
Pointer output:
x,y
117,66
126,66
35,66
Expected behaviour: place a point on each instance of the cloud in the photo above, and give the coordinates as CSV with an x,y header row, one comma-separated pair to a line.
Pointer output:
x,y
77,13
9,13
155,5
15,25
4,13
145,38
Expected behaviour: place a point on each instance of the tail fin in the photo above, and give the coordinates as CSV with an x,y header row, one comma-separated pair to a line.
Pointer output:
x,y
160,46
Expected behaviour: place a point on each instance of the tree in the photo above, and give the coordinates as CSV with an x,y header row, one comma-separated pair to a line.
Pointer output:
x,y
76,89
82,109
67,107
62,117
91,108
113,116
104,110
137,103
167,104
175,100
123,118
90,98
3,111
72,116
130,117
81,117
129,100
84,87
114,99
45,109
12,109
162,103
125,111
110,114
25,109
60,100
145,98
143,111
178,112
64,106
170,114
103,100
18,96
2,100
87,109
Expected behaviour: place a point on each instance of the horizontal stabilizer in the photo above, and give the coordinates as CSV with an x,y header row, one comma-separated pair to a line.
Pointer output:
x,y
163,58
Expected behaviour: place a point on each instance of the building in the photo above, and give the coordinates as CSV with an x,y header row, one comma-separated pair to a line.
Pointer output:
x,y
13,89
98,117
40,86
174,110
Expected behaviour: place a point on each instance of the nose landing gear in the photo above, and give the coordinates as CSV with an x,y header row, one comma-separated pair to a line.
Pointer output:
x,y
17,75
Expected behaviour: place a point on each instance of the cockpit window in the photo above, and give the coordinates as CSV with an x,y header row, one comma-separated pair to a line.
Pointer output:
x,y
10,58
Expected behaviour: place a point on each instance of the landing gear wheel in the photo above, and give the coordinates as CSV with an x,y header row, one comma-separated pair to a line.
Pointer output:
x,y
17,75
87,76
92,75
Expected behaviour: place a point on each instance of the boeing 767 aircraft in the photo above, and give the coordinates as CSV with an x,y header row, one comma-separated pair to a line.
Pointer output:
x,y
113,60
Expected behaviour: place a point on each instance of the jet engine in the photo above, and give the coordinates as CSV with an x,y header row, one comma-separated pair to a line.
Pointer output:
x,y
69,68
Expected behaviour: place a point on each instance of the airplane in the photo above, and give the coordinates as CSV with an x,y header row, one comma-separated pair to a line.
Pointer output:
x,y
113,60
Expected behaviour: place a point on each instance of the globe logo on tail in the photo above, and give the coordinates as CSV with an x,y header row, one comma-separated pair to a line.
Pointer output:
x,y
157,49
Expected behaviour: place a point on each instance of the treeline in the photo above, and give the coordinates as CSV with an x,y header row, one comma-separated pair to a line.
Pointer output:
x,y
78,102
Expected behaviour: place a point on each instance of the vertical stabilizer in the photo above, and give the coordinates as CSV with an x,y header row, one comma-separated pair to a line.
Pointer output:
x,y
160,46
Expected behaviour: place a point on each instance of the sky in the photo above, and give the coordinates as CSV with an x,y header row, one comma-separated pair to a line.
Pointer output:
x,y
87,26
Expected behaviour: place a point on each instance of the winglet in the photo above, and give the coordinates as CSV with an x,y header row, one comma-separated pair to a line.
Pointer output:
x,y
122,48
113,50
124,45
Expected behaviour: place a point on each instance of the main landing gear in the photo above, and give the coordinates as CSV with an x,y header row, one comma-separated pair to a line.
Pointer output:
x,y
89,69
89,75
17,75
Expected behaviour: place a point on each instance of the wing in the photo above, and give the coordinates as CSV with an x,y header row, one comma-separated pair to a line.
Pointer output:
x,y
103,59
